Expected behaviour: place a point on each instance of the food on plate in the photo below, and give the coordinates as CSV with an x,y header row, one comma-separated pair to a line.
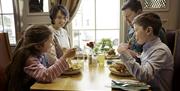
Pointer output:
x,y
74,67
119,69
111,52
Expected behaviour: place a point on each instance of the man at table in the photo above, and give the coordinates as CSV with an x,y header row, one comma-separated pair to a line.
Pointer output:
x,y
156,66
131,9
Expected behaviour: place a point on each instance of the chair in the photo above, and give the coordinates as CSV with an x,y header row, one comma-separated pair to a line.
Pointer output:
x,y
5,58
170,35
176,77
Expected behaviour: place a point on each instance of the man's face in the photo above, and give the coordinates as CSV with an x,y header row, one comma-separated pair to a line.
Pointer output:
x,y
129,15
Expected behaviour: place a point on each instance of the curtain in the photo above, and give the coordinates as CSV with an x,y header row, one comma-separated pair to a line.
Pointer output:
x,y
54,2
72,6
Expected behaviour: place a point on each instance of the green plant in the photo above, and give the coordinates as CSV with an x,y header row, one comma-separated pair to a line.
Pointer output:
x,y
103,46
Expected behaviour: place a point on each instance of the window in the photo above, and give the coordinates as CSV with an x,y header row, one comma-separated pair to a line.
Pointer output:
x,y
38,6
7,19
96,19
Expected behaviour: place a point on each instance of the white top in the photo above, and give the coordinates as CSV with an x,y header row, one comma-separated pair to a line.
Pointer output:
x,y
63,37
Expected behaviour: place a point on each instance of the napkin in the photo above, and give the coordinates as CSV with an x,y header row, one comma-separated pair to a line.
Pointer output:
x,y
130,85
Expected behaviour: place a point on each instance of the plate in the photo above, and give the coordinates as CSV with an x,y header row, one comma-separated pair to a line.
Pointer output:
x,y
115,72
74,69
112,57
118,68
72,72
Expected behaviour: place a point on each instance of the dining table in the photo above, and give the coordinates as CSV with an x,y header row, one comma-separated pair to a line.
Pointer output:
x,y
92,77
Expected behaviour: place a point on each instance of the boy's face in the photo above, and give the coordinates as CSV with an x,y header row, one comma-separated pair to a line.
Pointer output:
x,y
141,35
60,19
129,15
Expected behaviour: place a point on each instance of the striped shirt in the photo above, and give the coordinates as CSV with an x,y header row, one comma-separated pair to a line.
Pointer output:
x,y
35,68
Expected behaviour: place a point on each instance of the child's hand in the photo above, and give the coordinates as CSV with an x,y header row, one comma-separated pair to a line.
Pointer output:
x,y
123,49
133,53
125,45
69,53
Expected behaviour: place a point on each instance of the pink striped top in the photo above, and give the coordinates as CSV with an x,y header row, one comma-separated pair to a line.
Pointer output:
x,y
35,69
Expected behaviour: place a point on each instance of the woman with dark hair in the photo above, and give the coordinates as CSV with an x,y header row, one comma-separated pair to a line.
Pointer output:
x,y
59,16
156,66
29,64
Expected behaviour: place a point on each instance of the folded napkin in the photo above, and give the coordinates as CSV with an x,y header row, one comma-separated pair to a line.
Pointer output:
x,y
130,85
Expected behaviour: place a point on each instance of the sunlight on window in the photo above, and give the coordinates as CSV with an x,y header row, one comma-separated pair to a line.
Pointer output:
x,y
7,20
85,17
96,19
7,6
45,6
107,14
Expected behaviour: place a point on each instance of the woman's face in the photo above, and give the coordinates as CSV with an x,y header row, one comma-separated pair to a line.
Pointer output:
x,y
141,35
60,19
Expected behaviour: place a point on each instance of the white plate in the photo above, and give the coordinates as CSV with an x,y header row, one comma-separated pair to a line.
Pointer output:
x,y
112,57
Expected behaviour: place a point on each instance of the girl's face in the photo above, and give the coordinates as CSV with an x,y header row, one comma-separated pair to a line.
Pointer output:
x,y
47,45
141,35
60,19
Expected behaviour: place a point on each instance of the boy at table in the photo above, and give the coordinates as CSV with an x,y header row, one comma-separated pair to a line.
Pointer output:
x,y
156,68
131,9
